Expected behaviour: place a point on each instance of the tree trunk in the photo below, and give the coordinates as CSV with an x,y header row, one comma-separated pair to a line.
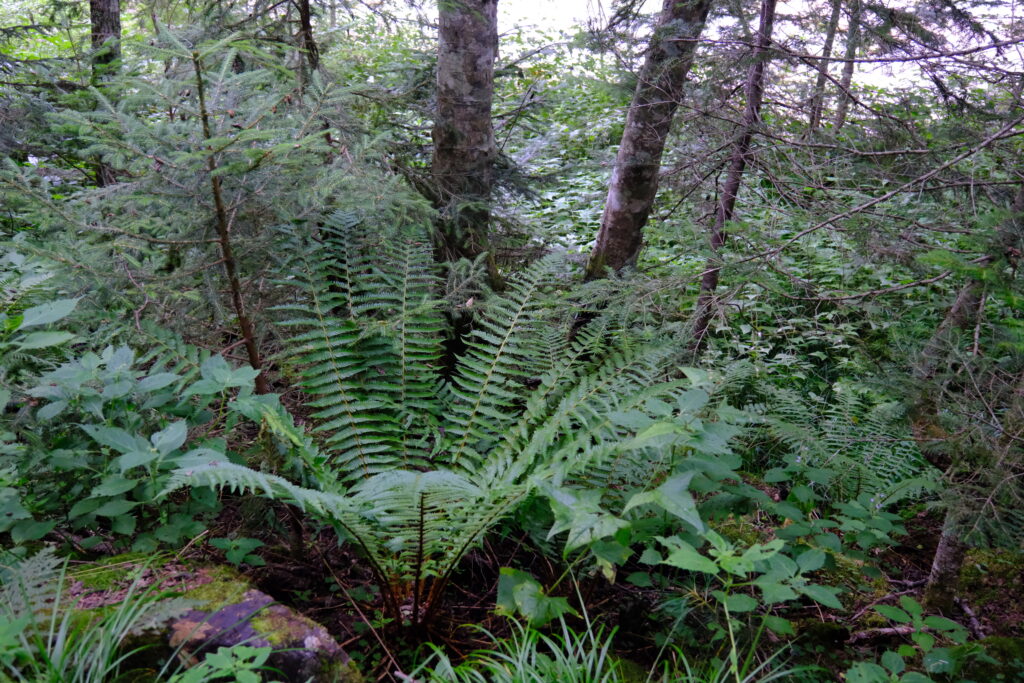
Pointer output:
x,y
737,164
940,591
245,325
464,147
853,35
818,99
634,181
105,22
310,51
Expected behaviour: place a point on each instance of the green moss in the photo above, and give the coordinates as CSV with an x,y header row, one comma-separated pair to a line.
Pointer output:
x,y
226,587
740,530
988,573
344,673
282,629
111,571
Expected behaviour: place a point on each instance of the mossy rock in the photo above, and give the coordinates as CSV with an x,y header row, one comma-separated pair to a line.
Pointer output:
x,y
222,610
303,650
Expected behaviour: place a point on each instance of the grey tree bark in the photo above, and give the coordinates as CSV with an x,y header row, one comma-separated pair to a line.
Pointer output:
x,y
818,99
706,301
634,181
853,37
464,146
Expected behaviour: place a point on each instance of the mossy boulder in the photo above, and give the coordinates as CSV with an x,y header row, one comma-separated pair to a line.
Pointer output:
x,y
303,650
223,610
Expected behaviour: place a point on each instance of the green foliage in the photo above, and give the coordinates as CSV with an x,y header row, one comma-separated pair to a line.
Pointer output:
x,y
420,462
46,638
108,435
242,663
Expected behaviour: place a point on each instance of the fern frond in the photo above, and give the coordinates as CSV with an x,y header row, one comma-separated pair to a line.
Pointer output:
x,y
489,379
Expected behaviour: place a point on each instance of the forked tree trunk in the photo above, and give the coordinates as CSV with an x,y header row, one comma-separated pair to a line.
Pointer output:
x,y
706,301
853,36
464,147
818,99
105,23
634,181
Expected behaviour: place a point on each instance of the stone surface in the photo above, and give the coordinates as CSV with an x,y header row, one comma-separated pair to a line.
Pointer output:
x,y
304,650
225,610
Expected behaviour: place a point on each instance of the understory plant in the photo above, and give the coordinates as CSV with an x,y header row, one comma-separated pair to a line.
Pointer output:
x,y
427,439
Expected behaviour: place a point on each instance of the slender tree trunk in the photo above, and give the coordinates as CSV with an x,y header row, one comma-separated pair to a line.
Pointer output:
x,y
741,149
310,51
634,181
853,36
464,147
224,239
105,22
818,99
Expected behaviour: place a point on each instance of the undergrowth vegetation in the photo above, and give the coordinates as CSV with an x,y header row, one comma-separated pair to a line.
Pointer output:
x,y
237,328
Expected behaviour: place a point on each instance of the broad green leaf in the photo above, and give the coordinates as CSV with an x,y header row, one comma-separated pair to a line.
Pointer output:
x,y
893,614
893,662
114,508
114,485
737,602
776,592
115,437
42,340
684,556
941,660
51,410
811,560
912,606
28,530
826,595
137,458
520,593
942,624
866,672
783,627
45,314
925,641
674,497
170,438
157,381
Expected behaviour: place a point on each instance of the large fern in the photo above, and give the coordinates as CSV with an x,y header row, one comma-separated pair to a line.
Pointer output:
x,y
421,459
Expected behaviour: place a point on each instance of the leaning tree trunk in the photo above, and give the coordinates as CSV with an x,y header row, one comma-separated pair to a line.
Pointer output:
x,y
818,99
737,164
853,36
634,181
105,22
464,147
